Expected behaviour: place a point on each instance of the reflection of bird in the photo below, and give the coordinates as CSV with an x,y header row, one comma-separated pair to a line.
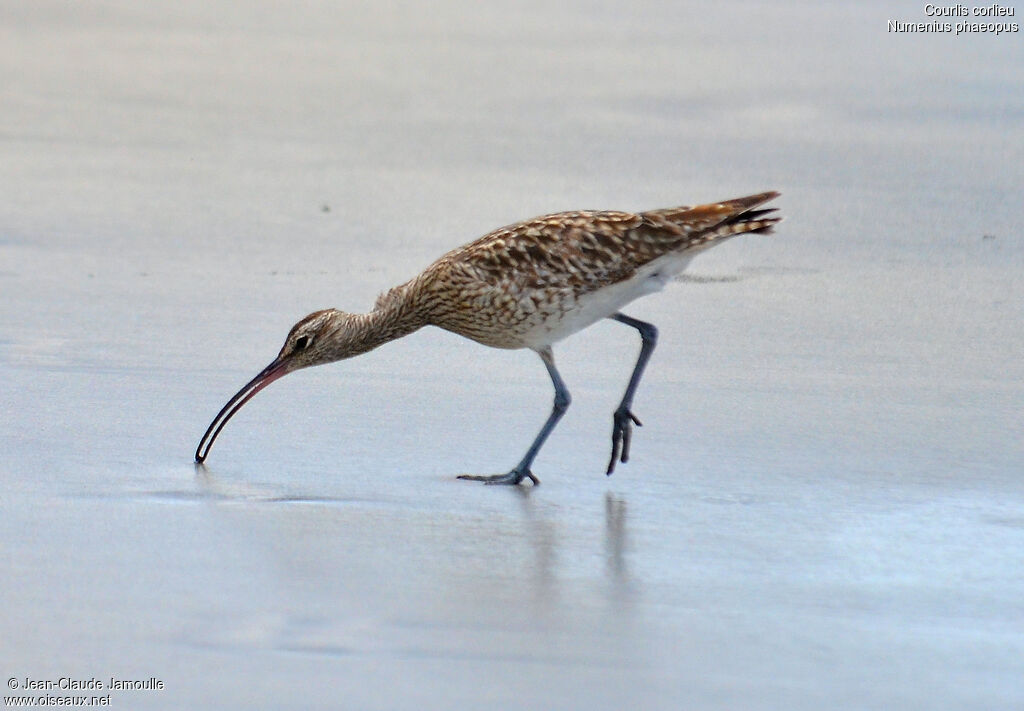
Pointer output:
x,y
527,285
615,538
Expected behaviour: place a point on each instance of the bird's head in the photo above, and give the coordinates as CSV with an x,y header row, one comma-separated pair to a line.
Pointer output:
x,y
316,339
322,337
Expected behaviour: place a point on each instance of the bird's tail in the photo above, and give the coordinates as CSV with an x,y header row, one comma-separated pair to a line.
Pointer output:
x,y
705,224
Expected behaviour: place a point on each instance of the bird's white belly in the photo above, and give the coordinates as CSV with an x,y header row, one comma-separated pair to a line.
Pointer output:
x,y
589,308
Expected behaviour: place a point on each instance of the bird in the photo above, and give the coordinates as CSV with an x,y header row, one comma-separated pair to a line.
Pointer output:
x,y
527,285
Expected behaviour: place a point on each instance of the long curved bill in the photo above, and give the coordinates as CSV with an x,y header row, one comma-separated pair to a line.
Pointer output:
x,y
268,375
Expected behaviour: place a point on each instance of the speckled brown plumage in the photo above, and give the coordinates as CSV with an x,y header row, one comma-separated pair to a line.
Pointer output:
x,y
527,285
502,287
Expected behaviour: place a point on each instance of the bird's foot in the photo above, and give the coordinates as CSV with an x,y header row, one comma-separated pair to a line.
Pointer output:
x,y
512,478
622,433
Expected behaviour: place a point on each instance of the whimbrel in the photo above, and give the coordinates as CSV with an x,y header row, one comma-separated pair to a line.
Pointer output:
x,y
527,285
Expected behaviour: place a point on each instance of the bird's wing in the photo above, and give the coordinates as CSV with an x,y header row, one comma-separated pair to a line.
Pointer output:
x,y
586,250
563,249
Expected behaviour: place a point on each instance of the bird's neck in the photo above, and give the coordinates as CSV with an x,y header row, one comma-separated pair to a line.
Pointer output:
x,y
396,314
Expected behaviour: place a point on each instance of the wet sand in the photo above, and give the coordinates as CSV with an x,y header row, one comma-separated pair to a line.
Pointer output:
x,y
825,505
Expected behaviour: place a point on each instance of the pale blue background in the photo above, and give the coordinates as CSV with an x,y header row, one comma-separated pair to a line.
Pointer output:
x,y
825,506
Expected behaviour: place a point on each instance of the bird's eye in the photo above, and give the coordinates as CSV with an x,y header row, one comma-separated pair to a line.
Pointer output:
x,y
302,343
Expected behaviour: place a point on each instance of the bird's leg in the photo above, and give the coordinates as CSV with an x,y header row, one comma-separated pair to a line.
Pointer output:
x,y
562,400
622,429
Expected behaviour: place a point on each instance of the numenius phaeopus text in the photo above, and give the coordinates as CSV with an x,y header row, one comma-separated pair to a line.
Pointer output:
x,y
527,285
